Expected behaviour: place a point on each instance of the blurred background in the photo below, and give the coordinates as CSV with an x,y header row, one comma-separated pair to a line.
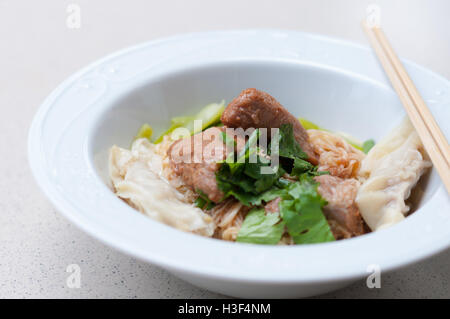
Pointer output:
x,y
39,49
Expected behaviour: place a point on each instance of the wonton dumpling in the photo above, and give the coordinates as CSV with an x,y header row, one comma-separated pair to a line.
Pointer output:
x,y
136,177
389,172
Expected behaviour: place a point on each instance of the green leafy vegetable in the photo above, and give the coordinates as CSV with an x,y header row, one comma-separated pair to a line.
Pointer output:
x,y
203,201
288,146
301,211
145,131
261,228
367,146
304,167
209,115
243,157
308,125
246,182
268,195
176,122
301,167
242,178
228,140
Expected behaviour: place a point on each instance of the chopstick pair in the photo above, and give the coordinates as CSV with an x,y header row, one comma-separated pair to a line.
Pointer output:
x,y
432,137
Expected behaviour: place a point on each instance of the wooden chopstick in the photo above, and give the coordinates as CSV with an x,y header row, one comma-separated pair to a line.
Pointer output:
x,y
432,137
414,94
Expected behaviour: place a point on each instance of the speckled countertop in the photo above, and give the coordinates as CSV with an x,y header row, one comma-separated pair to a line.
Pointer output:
x,y
39,51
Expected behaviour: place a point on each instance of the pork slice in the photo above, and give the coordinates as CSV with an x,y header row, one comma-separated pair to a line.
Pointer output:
x,y
257,109
341,211
196,160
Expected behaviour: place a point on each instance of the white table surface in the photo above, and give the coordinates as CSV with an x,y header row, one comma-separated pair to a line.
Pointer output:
x,y
38,51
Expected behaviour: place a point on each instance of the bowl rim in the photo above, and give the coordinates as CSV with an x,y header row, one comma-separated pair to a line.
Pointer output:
x,y
172,262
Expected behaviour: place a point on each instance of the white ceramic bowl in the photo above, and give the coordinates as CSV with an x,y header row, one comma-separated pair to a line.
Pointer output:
x,y
332,82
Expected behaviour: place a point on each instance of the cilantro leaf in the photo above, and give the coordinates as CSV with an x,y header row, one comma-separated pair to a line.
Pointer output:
x,y
268,195
261,228
301,167
302,213
288,146
243,179
247,184
203,201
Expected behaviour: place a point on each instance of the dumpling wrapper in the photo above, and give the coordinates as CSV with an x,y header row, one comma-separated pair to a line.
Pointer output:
x,y
136,177
389,172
